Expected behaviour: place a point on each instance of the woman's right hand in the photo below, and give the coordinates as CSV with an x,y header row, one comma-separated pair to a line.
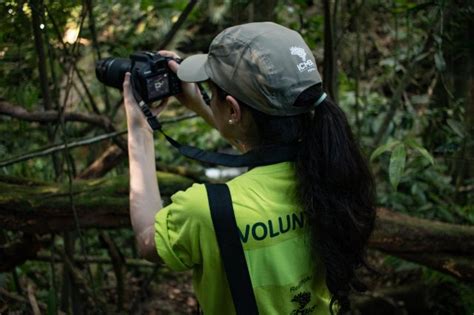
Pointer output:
x,y
190,96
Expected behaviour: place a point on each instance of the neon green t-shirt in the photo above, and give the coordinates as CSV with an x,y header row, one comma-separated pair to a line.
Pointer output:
x,y
274,235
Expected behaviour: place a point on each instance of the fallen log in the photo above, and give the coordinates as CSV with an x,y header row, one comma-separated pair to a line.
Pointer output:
x,y
397,232
37,208
445,247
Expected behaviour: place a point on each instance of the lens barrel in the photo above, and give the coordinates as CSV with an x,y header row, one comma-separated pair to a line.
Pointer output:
x,y
111,71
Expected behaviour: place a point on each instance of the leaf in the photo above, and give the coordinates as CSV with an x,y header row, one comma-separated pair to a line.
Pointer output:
x,y
414,8
415,145
418,193
438,39
383,148
145,4
439,61
397,164
457,127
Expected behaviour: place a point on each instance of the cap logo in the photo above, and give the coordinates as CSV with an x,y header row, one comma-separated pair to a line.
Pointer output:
x,y
305,65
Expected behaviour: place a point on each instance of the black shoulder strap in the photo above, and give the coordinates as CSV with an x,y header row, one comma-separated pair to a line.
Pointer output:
x,y
231,250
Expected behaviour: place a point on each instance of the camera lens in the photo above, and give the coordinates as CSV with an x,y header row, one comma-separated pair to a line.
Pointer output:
x,y
111,71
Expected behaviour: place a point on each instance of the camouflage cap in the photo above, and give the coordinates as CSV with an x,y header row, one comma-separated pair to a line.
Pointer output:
x,y
264,65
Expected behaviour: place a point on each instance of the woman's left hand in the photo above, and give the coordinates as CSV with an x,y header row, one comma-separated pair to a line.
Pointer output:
x,y
135,117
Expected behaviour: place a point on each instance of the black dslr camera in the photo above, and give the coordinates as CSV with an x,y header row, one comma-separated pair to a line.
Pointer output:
x,y
152,79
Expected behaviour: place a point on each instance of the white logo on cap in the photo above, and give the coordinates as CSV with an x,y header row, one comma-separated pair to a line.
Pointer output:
x,y
307,65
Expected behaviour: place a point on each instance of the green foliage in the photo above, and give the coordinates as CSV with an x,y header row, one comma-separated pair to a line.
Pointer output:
x,y
397,164
52,302
456,295
398,157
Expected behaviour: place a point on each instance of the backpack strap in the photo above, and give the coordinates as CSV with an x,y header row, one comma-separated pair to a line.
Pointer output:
x,y
232,252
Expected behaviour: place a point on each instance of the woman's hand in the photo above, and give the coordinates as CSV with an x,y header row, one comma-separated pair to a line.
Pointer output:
x,y
190,96
135,117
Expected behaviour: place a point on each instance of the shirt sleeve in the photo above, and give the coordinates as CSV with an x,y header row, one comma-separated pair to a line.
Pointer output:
x,y
178,228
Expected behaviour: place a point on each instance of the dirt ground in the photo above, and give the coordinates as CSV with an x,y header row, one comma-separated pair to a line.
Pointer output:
x,y
393,288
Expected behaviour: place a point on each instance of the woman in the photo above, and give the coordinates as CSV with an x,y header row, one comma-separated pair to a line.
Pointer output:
x,y
304,224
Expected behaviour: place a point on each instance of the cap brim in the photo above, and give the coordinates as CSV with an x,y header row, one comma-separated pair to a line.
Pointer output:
x,y
192,69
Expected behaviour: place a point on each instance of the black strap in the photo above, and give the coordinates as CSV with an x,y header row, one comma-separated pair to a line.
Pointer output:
x,y
271,154
231,250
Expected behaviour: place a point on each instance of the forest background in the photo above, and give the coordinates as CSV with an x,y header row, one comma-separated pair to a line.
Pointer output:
x,y
402,71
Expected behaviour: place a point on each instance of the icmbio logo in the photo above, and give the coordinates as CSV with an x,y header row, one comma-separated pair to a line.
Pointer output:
x,y
307,65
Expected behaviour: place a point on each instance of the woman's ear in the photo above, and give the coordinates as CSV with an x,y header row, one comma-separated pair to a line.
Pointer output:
x,y
235,111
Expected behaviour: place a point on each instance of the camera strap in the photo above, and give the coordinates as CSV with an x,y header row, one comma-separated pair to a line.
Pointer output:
x,y
267,155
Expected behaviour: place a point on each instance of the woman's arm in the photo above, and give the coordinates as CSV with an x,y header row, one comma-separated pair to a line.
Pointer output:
x,y
145,198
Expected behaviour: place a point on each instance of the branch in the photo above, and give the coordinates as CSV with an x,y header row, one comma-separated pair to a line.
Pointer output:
x,y
36,17
82,281
132,262
60,147
176,26
110,158
32,299
457,266
8,109
87,141
118,264
70,56
18,112
330,53
397,94
394,103
21,299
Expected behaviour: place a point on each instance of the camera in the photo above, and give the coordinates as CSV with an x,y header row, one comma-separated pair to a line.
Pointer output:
x,y
152,79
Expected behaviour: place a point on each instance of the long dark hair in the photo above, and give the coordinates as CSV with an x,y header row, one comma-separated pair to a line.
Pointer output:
x,y
334,186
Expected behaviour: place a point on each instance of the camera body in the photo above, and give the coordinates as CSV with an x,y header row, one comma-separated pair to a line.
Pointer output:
x,y
152,79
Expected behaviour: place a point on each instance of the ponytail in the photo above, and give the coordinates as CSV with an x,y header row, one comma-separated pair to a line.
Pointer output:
x,y
336,191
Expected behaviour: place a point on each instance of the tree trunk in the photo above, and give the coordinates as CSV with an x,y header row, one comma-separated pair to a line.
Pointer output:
x,y
330,72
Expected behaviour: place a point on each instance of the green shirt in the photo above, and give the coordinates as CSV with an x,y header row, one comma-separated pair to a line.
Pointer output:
x,y
274,233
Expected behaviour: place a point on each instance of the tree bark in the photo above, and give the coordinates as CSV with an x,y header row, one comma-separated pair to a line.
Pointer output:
x,y
330,72
35,207
36,18
396,232
441,246
110,158
51,116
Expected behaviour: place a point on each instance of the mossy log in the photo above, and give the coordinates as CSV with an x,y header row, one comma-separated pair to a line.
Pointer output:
x,y
37,208
448,248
